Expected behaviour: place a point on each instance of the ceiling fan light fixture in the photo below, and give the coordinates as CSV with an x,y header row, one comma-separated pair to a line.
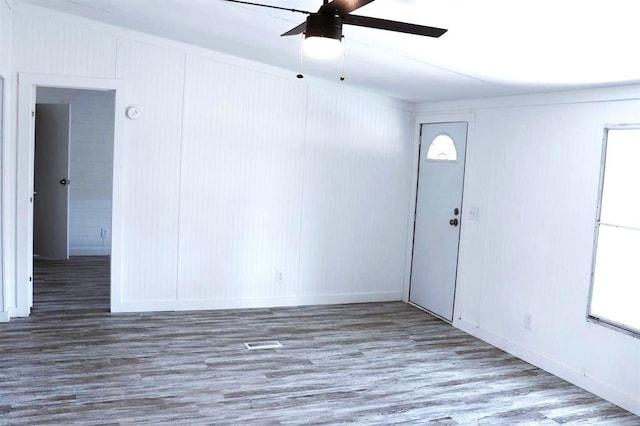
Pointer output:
x,y
323,36
322,47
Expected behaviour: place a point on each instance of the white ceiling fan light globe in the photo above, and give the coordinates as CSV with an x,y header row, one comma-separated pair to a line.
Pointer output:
x,y
322,47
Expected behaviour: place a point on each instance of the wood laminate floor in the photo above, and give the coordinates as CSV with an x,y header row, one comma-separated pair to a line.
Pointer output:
x,y
72,362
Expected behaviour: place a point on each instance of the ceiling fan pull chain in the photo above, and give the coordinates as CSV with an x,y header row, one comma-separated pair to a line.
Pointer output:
x,y
300,75
344,52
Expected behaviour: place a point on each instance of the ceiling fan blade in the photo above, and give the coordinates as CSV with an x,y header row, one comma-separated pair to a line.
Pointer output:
x,y
297,30
401,27
343,7
269,6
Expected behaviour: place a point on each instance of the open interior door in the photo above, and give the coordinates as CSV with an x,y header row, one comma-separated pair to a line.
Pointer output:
x,y
51,181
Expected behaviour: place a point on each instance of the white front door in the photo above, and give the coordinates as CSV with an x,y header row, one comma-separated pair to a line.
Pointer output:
x,y
438,216
51,181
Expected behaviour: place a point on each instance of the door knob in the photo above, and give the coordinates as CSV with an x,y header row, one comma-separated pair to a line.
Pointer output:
x,y
453,222
65,181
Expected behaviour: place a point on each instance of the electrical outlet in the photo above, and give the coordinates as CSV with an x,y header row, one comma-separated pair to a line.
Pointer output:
x,y
527,321
104,233
279,276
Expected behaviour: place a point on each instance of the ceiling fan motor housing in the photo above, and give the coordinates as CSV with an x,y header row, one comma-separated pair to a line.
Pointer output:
x,y
320,25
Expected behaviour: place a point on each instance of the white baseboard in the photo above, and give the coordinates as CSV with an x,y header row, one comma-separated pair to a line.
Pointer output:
x,y
4,316
339,299
90,251
15,312
628,402
272,302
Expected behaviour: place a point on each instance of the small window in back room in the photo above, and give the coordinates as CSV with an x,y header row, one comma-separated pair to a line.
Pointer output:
x,y
442,148
615,293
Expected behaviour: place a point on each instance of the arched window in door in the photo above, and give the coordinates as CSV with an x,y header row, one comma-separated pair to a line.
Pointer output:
x,y
442,148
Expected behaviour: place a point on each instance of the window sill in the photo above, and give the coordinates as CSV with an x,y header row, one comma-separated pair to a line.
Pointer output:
x,y
615,326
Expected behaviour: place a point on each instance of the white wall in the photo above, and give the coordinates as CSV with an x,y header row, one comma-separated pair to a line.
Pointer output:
x,y
90,167
5,37
237,170
533,167
5,72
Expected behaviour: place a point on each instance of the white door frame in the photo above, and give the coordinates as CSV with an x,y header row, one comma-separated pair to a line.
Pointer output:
x,y
433,119
27,85
4,311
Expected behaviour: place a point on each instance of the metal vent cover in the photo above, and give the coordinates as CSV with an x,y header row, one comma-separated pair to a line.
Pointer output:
x,y
271,344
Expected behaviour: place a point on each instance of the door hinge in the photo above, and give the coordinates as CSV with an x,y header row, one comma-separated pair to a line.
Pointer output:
x,y
31,199
33,113
30,279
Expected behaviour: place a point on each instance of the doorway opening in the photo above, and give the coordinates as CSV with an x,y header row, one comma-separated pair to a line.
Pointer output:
x,y
72,198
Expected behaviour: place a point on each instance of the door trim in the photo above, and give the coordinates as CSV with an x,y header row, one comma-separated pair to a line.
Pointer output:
x,y
4,310
421,119
27,85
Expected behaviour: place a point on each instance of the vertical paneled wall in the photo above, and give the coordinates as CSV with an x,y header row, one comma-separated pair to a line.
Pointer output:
x,y
5,72
49,46
152,148
356,193
525,265
242,186
5,38
90,167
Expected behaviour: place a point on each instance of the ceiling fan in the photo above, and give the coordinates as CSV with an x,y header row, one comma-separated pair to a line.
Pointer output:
x,y
323,29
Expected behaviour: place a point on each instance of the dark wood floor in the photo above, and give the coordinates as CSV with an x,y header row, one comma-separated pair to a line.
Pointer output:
x,y
72,362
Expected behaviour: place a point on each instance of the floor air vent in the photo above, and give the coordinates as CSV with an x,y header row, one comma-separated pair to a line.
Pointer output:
x,y
272,344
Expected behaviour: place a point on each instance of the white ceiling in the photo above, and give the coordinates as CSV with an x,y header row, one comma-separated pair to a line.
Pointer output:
x,y
493,47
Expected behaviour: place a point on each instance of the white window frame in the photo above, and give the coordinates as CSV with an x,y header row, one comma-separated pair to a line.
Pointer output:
x,y
593,318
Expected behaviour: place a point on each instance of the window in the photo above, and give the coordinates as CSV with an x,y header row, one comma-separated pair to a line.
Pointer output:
x,y
615,293
442,148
